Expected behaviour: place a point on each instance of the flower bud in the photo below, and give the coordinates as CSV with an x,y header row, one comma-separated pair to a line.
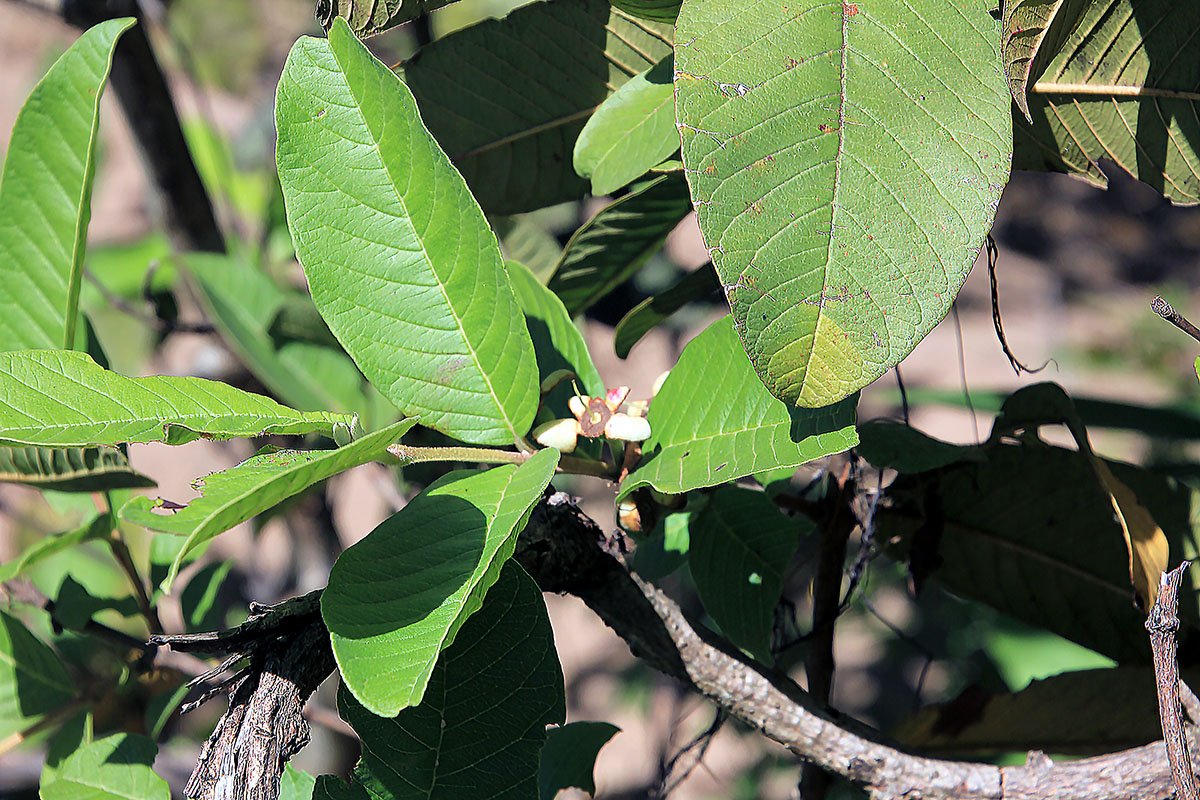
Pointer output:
x,y
627,428
558,433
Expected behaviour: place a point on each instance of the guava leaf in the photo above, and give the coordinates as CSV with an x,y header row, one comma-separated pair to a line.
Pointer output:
x,y
631,131
740,546
893,445
369,17
117,767
1031,33
453,746
652,311
32,679
607,249
713,421
397,598
657,10
399,258
1133,101
57,398
70,469
476,89
569,757
845,162
45,195
232,496
97,528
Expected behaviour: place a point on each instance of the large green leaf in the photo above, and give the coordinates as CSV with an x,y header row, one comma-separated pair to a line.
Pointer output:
x,y
713,421
71,469
845,162
232,496
32,679
97,528
569,757
1032,31
398,597
1086,712
295,784
526,242
118,767
618,240
652,311
242,302
399,258
1030,531
894,445
480,730
739,548
657,10
507,98
556,340
631,131
64,399
1132,100
369,17
45,195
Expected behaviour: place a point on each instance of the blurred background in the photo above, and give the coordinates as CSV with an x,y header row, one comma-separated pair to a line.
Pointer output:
x,y
1077,268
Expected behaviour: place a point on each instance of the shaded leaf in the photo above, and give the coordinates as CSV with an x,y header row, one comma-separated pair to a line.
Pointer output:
x,y
1087,712
452,746
232,496
845,163
97,528
72,469
475,86
1132,101
75,605
569,757
117,767
198,600
1031,33
740,548
242,301
652,311
657,10
403,265
45,195
527,243
894,445
618,240
397,598
32,679
369,17
631,131
713,421
556,340
64,399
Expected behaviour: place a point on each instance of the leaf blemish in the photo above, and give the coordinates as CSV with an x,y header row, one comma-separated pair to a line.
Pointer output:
x,y
321,113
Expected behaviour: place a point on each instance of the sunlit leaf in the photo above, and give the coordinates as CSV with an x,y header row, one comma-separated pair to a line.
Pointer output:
x,y
845,162
399,258
1032,31
32,679
657,10
117,767
43,548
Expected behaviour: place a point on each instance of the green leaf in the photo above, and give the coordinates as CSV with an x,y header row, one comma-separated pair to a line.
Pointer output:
x,y
97,528
893,445
657,10
400,260
296,784
618,240
524,241
398,597
369,18
476,89
32,679
569,757
242,302
740,547
631,131
480,730
72,469
556,340
1032,31
1031,532
1133,101
652,311
75,605
713,421
1086,712
232,496
198,600
845,162
45,195
118,767
64,399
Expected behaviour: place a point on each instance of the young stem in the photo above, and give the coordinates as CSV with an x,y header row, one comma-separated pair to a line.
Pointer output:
x,y
120,551
14,740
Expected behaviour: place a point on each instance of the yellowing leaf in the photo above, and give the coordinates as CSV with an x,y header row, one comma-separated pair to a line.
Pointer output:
x,y
1148,549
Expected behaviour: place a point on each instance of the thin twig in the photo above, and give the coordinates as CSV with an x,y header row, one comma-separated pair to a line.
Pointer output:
x,y
993,254
56,716
121,553
1163,623
1168,312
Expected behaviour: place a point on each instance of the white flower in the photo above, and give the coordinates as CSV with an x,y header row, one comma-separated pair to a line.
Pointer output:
x,y
627,428
559,433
